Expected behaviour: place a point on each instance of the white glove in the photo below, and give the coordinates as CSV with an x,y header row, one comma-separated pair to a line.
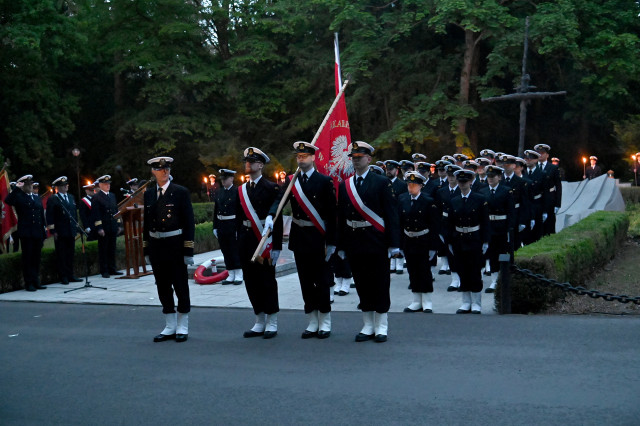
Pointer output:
x,y
432,254
341,254
268,224
147,260
450,249
555,210
392,251
87,230
521,227
275,255
533,223
330,250
544,217
485,247
441,238
215,232
188,260
508,237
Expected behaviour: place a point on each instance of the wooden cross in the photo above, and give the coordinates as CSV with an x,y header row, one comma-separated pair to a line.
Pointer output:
x,y
522,92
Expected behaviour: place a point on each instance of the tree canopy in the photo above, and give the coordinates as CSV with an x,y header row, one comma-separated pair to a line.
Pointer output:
x,y
200,80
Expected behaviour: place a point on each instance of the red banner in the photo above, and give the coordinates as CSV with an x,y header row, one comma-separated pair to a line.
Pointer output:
x,y
332,159
8,216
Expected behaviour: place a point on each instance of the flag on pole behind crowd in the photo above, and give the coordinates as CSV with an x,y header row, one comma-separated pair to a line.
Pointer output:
x,y
332,158
8,218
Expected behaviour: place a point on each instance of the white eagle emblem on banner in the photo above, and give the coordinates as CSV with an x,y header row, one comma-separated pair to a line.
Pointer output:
x,y
340,164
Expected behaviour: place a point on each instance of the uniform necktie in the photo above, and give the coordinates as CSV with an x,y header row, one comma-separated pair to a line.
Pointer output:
x,y
493,191
66,198
508,180
359,182
159,193
464,199
452,191
304,178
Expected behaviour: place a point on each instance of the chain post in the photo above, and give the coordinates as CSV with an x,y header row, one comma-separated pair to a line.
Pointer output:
x,y
505,283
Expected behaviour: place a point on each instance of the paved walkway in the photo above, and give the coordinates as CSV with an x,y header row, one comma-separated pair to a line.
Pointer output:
x,y
142,292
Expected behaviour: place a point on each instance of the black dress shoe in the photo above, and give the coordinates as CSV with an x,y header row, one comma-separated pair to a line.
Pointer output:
x,y
336,292
409,287
443,272
342,293
30,288
116,273
352,285
399,271
164,337
487,273
490,290
452,288
380,338
476,312
64,281
40,287
238,282
361,337
226,282
427,311
270,334
75,280
181,338
407,309
309,334
323,334
463,311
105,275
392,271
251,333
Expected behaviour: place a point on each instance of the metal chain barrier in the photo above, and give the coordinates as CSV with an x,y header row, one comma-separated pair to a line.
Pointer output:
x,y
580,291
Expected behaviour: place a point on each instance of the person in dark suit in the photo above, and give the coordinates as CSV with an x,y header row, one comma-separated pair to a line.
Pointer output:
x,y
481,170
489,155
556,162
520,191
368,234
593,171
398,187
225,227
103,208
467,236
431,182
62,223
255,198
168,234
554,182
459,159
312,238
31,229
85,212
538,195
420,223
502,217
443,199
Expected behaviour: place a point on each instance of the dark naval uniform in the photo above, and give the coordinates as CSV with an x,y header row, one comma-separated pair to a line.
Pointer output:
x,y
260,279
168,235
85,217
224,221
538,199
31,231
502,217
593,172
62,223
443,200
555,196
420,223
520,191
398,186
466,231
308,243
365,246
103,208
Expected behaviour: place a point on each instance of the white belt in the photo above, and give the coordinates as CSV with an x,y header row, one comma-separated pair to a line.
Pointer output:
x,y
445,214
357,224
248,223
165,234
302,222
537,197
497,217
517,206
416,233
220,217
552,189
468,229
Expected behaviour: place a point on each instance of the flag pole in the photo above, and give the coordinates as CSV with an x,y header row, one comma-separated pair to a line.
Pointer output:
x,y
256,255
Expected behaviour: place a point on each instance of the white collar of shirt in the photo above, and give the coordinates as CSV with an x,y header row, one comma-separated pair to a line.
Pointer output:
x,y
509,175
255,181
413,198
543,164
363,176
394,179
230,186
309,173
465,196
104,192
164,187
494,188
454,188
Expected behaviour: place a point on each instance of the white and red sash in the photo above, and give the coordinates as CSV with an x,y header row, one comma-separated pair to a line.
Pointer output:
x,y
368,214
256,225
87,202
306,205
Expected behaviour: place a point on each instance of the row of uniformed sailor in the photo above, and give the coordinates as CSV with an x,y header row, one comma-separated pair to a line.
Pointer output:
x,y
225,226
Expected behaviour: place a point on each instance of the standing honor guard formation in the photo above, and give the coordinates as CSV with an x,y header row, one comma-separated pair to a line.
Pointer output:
x,y
62,223
368,235
312,238
255,198
168,234
31,229
103,209
225,226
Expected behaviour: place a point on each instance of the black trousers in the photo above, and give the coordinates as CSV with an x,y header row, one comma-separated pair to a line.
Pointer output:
x,y
313,273
65,250
471,271
550,224
107,253
341,267
419,268
170,272
229,247
31,252
497,245
372,279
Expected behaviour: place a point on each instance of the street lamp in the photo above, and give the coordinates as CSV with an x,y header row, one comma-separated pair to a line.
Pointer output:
x,y
635,169
584,167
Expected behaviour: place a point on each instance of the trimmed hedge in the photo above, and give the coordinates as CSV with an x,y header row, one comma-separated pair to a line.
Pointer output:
x,y
569,256
634,220
203,212
630,194
11,267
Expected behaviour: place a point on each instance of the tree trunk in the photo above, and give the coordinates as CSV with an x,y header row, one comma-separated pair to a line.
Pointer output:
x,y
470,43
118,102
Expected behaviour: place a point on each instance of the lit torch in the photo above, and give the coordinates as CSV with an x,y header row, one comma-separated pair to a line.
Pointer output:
x,y
584,167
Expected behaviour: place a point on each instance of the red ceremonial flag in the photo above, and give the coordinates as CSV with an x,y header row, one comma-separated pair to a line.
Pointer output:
x,y
9,220
332,158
